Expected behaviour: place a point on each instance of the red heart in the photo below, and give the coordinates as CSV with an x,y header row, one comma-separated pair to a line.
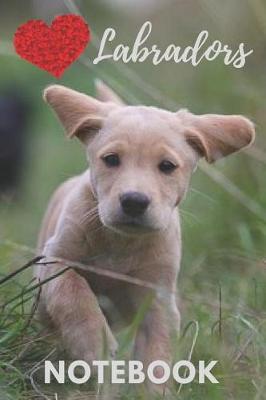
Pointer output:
x,y
52,48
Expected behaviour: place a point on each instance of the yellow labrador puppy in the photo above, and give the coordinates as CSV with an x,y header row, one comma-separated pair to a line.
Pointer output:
x,y
122,215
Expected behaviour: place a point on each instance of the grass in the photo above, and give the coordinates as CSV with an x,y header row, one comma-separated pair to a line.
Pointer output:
x,y
223,321
222,283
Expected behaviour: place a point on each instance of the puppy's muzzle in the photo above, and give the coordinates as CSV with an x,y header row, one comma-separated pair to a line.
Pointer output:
x,y
134,204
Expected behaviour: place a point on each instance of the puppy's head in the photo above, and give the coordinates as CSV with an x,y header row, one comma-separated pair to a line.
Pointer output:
x,y
142,158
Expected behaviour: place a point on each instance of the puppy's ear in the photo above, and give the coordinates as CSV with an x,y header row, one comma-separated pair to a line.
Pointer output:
x,y
81,115
105,93
216,136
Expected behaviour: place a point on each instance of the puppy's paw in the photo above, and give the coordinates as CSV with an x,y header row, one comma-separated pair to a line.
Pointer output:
x,y
89,346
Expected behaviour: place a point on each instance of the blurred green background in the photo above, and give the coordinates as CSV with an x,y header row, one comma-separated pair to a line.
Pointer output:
x,y
224,215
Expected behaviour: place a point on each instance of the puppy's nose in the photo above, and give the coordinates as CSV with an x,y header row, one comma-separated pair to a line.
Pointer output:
x,y
134,204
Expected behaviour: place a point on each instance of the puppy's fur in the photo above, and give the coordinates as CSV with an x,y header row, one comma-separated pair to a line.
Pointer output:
x,y
86,222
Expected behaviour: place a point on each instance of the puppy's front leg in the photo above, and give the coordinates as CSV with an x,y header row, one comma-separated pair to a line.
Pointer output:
x,y
157,334
76,315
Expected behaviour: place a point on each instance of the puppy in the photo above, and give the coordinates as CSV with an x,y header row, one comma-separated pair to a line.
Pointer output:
x,y
122,215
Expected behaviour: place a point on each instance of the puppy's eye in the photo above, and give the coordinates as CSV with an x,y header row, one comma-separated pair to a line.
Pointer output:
x,y
167,167
111,160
